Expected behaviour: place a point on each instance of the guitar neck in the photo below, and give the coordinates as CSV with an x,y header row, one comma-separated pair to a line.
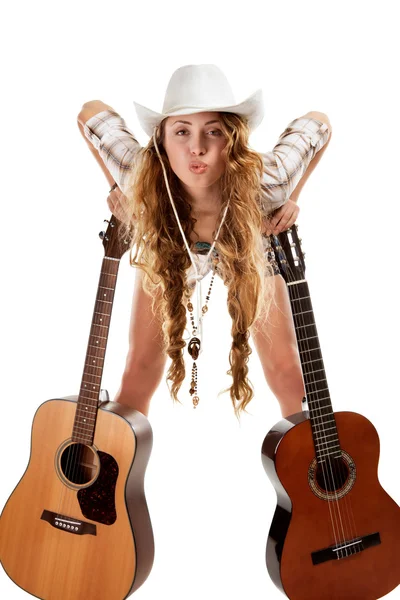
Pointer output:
x,y
321,415
86,412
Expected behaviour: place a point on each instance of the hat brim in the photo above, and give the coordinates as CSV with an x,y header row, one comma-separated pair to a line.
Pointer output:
x,y
252,108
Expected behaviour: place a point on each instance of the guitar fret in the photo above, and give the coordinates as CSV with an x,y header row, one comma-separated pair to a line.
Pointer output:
x,y
99,336
316,392
92,356
309,338
106,301
91,412
329,442
325,436
324,419
317,370
78,437
296,282
84,428
86,389
305,362
92,374
319,428
86,419
316,380
303,312
308,325
322,408
103,273
310,350
303,298
91,382
318,399
331,455
88,398
83,421
106,288
313,414
100,313
98,347
85,412
87,408
327,429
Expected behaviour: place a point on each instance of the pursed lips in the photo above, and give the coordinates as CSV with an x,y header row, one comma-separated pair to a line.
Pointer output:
x,y
197,163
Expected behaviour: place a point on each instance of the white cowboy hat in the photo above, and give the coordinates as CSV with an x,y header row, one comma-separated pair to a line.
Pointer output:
x,y
200,88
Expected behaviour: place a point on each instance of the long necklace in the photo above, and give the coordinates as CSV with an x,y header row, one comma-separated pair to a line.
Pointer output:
x,y
195,342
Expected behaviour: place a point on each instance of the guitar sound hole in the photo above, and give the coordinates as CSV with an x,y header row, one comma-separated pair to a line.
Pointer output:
x,y
79,463
332,475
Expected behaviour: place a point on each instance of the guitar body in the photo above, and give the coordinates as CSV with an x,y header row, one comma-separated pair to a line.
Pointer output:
x,y
91,538
302,524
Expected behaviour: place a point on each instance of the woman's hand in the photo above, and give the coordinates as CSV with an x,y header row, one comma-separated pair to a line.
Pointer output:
x,y
282,218
117,203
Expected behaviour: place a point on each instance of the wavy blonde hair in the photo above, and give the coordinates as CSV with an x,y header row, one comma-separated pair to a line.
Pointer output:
x,y
162,254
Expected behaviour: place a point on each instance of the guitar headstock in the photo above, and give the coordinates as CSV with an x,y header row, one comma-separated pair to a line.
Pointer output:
x,y
289,254
114,247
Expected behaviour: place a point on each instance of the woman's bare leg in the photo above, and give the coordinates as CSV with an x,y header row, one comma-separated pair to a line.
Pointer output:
x,y
279,356
146,360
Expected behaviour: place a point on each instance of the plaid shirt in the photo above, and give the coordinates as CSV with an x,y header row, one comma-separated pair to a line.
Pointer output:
x,y
284,166
283,169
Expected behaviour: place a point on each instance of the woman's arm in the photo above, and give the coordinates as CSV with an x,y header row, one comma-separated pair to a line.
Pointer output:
x,y
313,163
89,109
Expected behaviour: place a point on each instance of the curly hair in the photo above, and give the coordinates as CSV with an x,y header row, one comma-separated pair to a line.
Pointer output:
x,y
162,255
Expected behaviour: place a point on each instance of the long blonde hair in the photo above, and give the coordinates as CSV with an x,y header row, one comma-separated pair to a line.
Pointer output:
x,y
161,253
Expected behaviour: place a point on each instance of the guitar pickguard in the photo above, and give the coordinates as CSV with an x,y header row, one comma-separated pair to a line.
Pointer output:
x,y
97,502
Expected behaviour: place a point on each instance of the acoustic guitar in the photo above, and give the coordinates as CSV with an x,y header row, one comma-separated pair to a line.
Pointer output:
x,y
77,526
335,534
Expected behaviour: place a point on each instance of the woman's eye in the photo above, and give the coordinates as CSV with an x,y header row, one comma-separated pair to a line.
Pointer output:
x,y
217,131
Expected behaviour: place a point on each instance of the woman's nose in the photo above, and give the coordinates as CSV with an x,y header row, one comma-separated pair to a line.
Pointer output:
x,y
197,144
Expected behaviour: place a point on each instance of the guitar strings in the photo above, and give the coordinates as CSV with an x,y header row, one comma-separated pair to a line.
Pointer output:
x,y
337,464
349,514
77,449
319,427
293,292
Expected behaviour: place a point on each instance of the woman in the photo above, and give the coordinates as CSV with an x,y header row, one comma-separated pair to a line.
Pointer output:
x,y
170,203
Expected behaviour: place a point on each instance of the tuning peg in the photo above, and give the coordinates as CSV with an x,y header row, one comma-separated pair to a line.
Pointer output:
x,y
102,235
107,221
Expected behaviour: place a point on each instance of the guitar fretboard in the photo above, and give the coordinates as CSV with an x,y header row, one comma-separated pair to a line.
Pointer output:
x,y
322,419
86,411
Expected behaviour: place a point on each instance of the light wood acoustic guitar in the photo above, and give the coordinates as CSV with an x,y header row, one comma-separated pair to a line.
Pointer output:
x,y
335,534
77,526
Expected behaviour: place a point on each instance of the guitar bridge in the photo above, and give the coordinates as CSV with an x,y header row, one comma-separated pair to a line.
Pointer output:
x,y
345,549
75,526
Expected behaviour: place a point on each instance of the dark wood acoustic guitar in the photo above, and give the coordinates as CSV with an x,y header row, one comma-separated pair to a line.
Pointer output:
x,y
335,534
77,526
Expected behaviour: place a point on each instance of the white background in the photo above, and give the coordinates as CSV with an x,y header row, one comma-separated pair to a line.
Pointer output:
x,y
210,501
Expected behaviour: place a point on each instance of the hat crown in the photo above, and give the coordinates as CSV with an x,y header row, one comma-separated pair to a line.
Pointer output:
x,y
197,86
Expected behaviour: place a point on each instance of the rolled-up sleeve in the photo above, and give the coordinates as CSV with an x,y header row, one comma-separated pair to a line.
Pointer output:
x,y
115,142
289,159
